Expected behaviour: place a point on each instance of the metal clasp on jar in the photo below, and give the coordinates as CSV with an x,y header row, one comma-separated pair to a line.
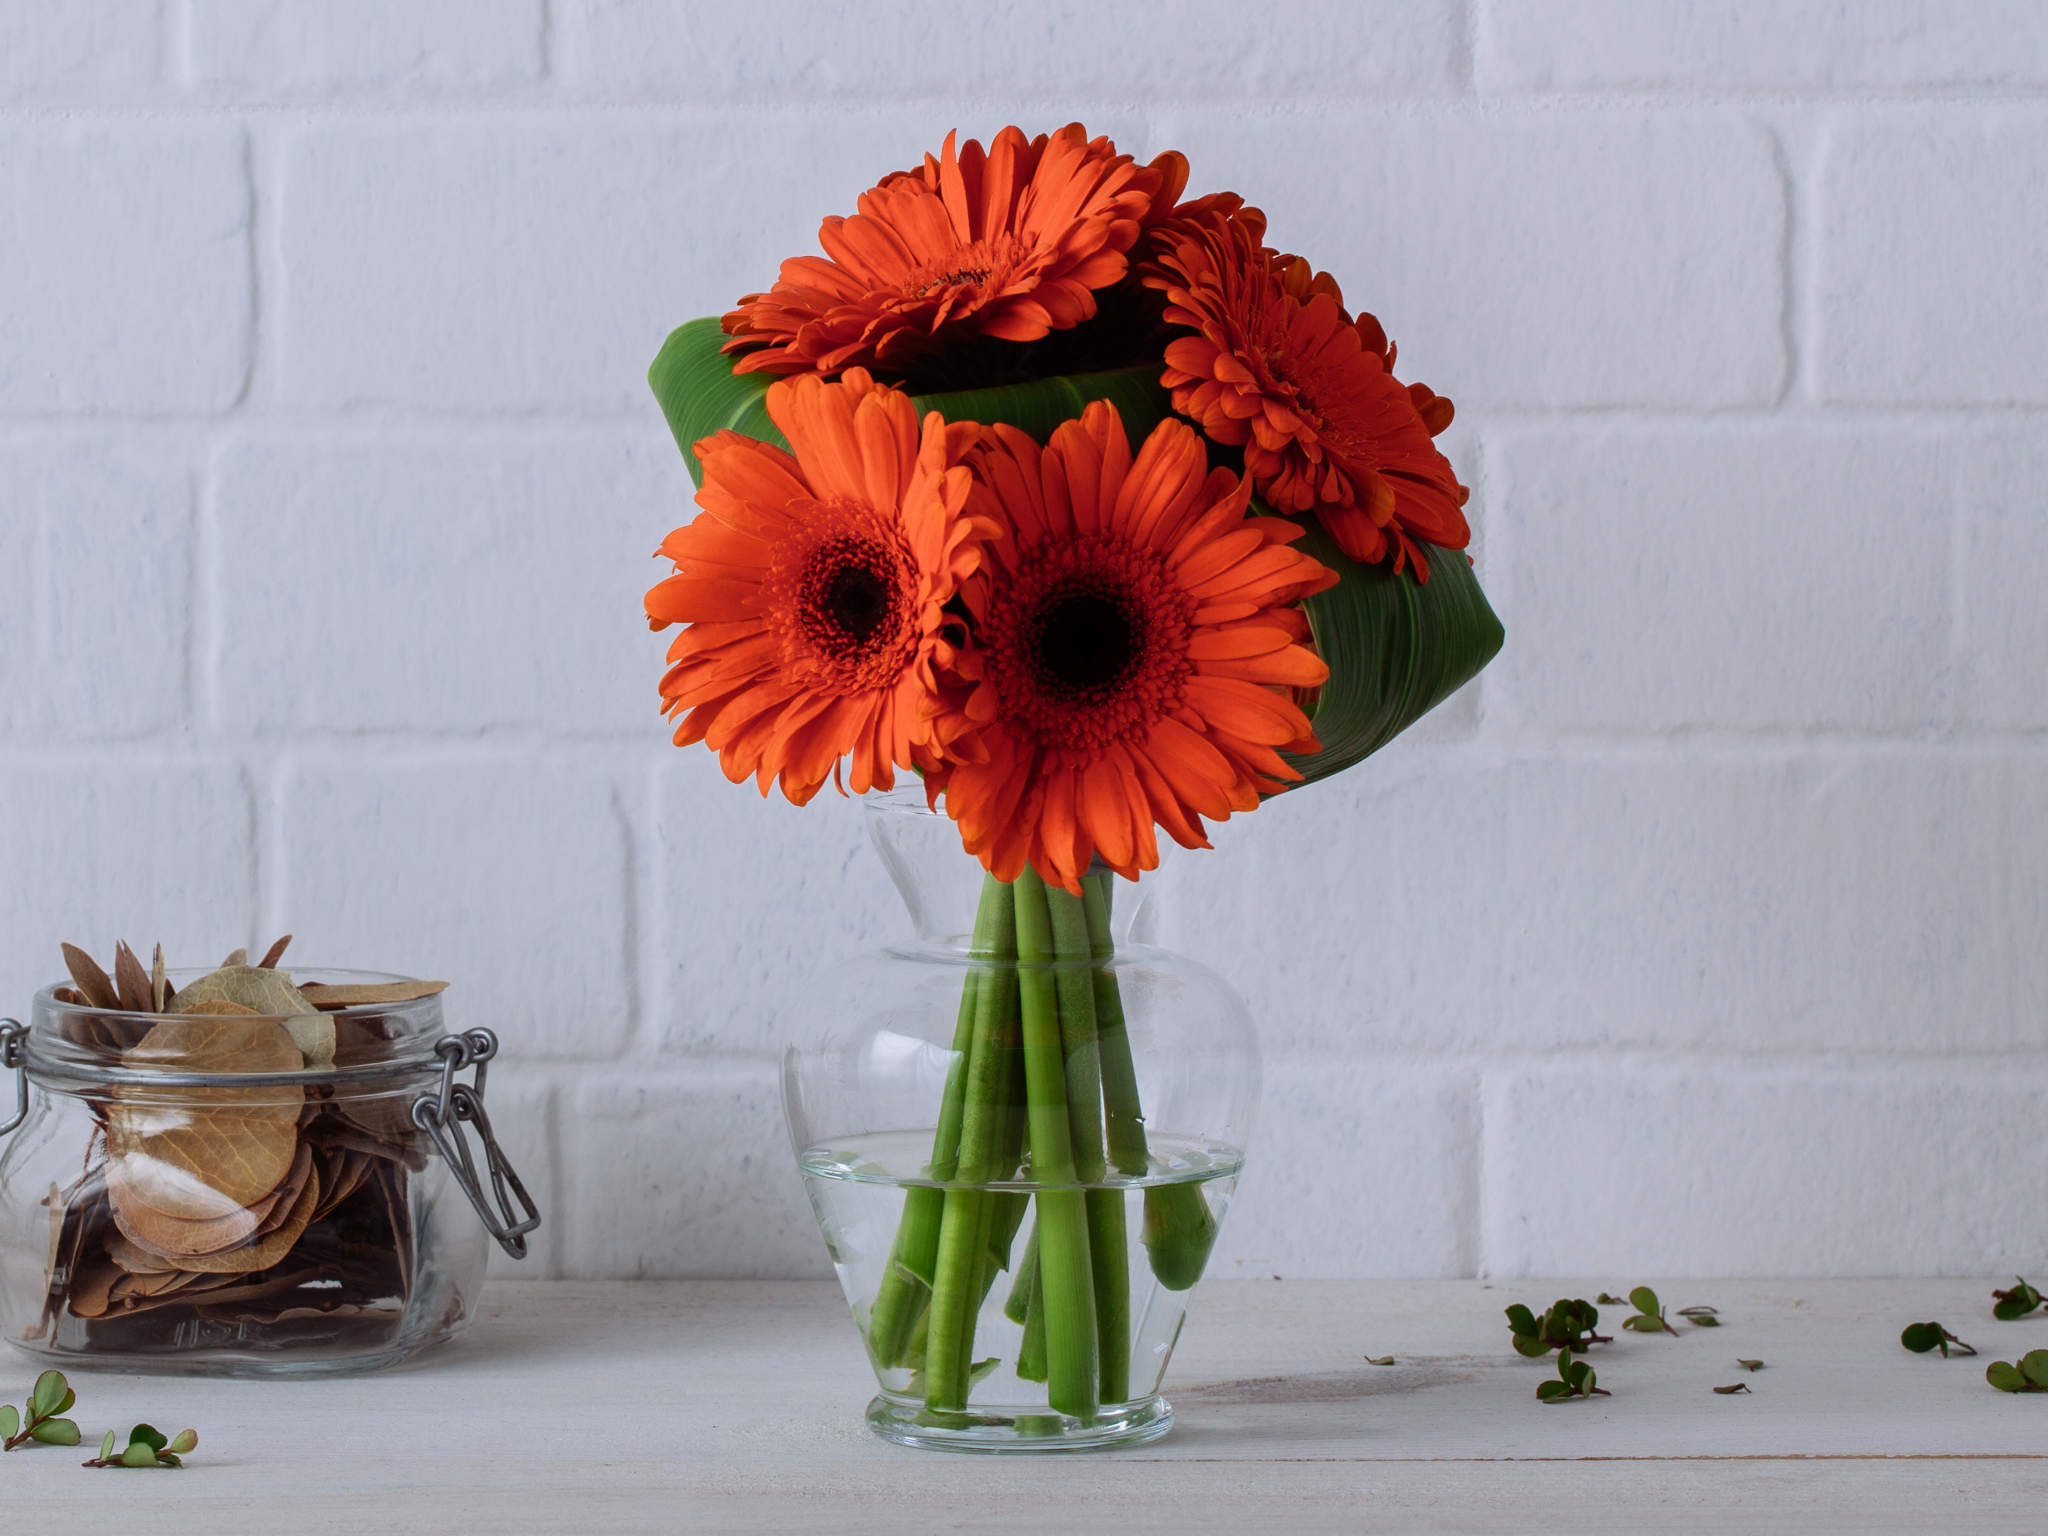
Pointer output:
x,y
14,1057
441,1116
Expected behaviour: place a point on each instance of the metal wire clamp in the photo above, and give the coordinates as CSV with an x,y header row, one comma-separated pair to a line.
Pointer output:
x,y
441,1115
14,1056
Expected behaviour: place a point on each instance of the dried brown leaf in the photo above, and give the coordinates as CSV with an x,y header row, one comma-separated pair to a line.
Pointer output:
x,y
273,954
239,957
160,989
321,995
199,1154
131,981
268,1250
69,995
95,983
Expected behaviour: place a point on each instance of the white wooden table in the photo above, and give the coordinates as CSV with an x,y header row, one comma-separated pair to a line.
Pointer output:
x,y
737,1407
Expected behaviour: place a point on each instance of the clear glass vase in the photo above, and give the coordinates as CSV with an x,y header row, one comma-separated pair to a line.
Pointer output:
x,y
1019,1134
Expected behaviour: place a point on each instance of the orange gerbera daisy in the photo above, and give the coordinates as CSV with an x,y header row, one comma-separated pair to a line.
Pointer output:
x,y
1275,365
1139,634
814,587
1010,243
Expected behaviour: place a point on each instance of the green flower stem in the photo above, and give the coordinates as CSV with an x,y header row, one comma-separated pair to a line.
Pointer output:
x,y
1180,1229
964,1233
1072,1384
1018,1307
1031,1353
906,1288
1108,1245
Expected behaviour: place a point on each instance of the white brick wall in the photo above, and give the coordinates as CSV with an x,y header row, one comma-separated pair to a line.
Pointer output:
x,y
1704,934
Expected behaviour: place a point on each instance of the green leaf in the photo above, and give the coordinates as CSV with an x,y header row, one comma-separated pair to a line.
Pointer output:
x,y
1529,1347
2012,1307
70,1398
1581,1376
1643,1299
49,1391
1040,405
700,394
1606,1300
1708,1321
1921,1337
185,1440
10,1421
1552,1391
2005,1376
2034,1366
107,1445
56,1432
140,1453
1396,648
1379,1360
1521,1319
148,1435
166,1459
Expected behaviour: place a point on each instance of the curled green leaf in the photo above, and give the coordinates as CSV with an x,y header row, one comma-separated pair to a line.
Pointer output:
x,y
2006,1376
10,1420
1643,1299
56,1432
139,1453
2034,1366
185,1439
51,1394
106,1445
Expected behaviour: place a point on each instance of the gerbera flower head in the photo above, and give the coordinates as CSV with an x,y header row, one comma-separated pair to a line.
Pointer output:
x,y
1012,243
1273,363
1139,634
814,585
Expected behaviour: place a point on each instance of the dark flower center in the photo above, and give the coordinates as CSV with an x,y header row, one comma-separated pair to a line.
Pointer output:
x,y
857,599
1085,642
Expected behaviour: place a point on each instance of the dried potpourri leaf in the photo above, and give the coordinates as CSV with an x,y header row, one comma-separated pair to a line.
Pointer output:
x,y
70,995
131,981
272,994
323,995
266,1251
170,1237
205,1152
239,957
95,983
160,988
273,954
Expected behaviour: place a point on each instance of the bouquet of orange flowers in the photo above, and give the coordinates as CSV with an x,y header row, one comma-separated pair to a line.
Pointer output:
x,y
1072,496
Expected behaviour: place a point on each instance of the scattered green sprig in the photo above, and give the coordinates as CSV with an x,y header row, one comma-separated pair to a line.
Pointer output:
x,y
1606,1300
1701,1317
1567,1325
1649,1316
37,1418
147,1447
2029,1375
1923,1337
2017,1302
1575,1378
1731,1389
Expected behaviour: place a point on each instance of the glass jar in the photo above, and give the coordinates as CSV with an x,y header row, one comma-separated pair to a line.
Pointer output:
x,y
1019,1142
210,1193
